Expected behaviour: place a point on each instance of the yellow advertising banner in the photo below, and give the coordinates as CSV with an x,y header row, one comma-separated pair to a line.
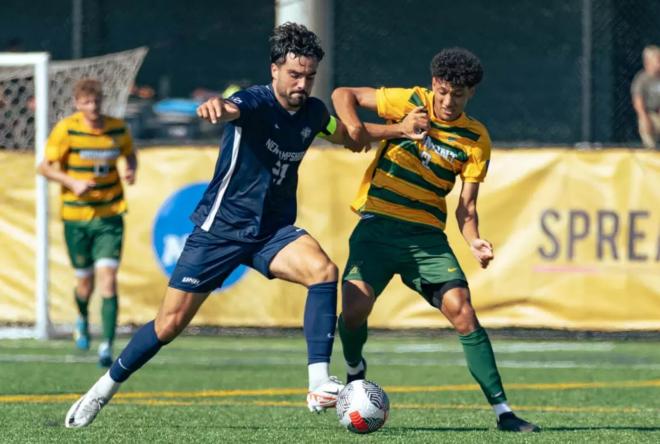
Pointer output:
x,y
576,237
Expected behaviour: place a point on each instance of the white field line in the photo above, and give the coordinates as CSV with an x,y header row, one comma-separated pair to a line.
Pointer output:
x,y
286,361
429,347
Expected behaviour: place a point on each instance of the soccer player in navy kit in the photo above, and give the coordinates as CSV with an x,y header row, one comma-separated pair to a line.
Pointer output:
x,y
246,216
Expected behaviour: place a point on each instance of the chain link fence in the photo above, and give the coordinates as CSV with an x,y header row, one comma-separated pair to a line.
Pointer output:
x,y
17,92
536,56
557,72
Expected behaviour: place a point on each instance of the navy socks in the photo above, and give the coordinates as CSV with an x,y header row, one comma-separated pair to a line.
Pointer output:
x,y
143,346
320,321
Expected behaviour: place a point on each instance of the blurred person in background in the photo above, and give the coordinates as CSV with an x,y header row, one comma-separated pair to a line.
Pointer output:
x,y
81,155
403,212
645,91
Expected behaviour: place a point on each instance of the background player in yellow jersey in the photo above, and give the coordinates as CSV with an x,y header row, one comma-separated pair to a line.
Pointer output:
x,y
81,155
403,214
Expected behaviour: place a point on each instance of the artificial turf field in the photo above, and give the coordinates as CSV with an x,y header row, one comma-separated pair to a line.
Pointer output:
x,y
252,389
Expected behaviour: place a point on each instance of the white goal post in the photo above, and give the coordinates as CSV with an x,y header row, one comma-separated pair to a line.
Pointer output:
x,y
38,63
34,94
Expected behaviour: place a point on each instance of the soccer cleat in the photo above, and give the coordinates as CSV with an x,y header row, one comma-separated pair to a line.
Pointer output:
x,y
85,409
105,355
509,422
362,374
325,395
81,334
83,412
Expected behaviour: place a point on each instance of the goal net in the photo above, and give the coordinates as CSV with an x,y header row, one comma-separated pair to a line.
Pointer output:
x,y
17,93
34,95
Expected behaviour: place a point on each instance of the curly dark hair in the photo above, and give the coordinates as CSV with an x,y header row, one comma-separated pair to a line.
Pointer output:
x,y
458,66
296,39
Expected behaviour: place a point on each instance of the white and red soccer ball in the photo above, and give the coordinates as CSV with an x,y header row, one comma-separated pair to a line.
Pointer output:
x,y
362,406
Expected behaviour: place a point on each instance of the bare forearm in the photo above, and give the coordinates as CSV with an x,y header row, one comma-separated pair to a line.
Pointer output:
x,y
468,223
55,174
132,162
380,131
345,103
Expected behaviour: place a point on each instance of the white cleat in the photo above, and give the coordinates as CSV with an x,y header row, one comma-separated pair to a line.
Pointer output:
x,y
324,396
83,412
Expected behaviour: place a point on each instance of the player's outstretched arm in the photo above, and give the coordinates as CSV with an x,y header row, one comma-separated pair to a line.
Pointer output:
x,y
346,100
217,110
468,223
375,132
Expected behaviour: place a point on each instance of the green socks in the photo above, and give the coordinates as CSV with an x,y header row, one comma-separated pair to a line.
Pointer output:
x,y
481,362
109,318
352,341
82,308
109,310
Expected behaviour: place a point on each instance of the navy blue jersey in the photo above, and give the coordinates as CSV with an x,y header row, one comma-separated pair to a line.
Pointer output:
x,y
253,190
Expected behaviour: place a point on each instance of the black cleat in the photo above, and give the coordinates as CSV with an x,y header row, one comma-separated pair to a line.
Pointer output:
x,y
509,422
360,375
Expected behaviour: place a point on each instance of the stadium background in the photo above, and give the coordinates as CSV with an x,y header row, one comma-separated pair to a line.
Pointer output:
x,y
532,52
531,98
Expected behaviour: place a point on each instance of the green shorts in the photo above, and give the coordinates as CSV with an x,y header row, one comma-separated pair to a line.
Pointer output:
x,y
381,247
91,241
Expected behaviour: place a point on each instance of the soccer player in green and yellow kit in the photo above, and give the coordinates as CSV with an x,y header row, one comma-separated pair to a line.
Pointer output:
x,y
403,214
81,155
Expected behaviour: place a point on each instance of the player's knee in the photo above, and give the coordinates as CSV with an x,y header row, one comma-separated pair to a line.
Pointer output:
x,y
84,293
107,280
465,320
457,307
108,287
323,271
169,326
85,288
356,305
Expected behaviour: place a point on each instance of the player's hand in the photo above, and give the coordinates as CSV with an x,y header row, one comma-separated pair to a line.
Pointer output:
x,y
483,251
415,125
129,176
360,139
211,110
80,187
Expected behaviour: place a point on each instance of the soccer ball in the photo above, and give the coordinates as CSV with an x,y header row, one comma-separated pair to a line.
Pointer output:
x,y
362,406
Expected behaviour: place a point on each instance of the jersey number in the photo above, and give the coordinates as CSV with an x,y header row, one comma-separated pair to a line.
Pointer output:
x,y
279,172
426,158
101,169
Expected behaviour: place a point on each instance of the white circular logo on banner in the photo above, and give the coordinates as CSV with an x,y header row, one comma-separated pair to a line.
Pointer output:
x,y
172,226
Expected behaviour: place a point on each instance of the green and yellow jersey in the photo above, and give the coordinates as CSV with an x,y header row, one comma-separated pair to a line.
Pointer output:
x,y
409,179
90,154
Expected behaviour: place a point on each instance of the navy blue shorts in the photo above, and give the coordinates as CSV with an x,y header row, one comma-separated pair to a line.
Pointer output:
x,y
207,260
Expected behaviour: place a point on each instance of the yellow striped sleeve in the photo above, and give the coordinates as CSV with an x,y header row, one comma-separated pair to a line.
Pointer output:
x,y
395,103
57,144
476,166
